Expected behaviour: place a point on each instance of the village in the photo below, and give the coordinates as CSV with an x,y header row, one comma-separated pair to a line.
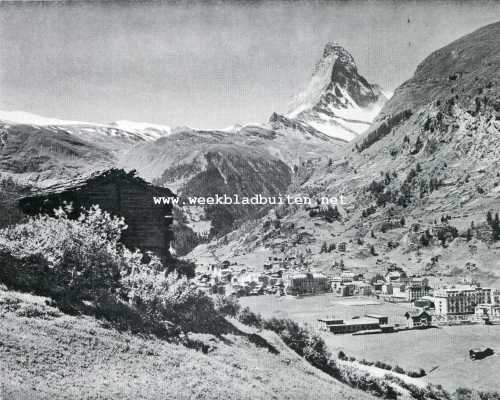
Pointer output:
x,y
427,304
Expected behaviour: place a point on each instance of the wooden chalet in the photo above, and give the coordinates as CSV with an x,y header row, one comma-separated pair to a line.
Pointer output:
x,y
418,319
120,193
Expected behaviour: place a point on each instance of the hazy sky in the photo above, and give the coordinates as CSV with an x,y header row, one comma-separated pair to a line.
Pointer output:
x,y
207,64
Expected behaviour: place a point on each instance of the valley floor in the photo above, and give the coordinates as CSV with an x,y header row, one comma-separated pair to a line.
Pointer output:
x,y
442,352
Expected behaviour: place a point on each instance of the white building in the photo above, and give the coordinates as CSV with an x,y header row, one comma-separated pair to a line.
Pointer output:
x,y
460,299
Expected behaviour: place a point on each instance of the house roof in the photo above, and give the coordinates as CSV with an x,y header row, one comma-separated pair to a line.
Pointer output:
x,y
376,315
96,177
417,313
361,321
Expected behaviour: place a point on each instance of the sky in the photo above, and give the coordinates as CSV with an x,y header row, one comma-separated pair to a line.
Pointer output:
x,y
207,64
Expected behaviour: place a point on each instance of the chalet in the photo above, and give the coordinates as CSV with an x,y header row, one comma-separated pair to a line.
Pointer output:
x,y
418,319
119,193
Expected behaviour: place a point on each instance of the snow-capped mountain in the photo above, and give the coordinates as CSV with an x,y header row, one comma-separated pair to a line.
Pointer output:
x,y
144,129
338,101
134,131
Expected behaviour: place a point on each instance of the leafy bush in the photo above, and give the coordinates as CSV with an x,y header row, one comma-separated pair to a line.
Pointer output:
x,y
248,317
76,258
229,306
81,264
366,382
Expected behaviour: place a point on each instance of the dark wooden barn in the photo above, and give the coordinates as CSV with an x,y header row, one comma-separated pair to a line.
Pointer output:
x,y
119,193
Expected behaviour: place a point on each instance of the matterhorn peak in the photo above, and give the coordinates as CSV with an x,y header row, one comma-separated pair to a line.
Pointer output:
x,y
337,101
334,49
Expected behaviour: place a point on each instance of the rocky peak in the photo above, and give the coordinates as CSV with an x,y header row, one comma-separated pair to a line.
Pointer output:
x,y
337,101
333,49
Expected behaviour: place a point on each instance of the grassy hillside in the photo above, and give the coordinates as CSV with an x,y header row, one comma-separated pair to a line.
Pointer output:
x,y
48,355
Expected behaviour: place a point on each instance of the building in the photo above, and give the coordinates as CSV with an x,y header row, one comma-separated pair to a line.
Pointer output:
x,y
362,288
387,288
326,322
395,275
418,319
378,285
417,289
487,312
401,288
460,299
347,276
343,289
354,325
306,283
119,193
336,283
382,319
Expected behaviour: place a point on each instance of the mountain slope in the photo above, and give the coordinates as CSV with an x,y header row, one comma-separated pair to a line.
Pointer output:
x,y
337,101
41,151
250,160
48,355
41,155
417,184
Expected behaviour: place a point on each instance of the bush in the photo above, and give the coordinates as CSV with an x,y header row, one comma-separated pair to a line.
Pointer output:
x,y
398,369
248,317
76,260
228,306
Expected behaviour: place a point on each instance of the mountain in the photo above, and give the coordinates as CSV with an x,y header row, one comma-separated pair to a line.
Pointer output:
x,y
417,185
143,129
244,161
125,130
337,101
40,150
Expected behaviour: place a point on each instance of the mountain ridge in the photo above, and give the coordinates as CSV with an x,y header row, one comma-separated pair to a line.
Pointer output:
x,y
418,183
337,100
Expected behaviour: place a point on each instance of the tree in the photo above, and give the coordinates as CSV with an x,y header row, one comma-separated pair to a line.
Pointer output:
x,y
495,226
469,234
489,217
402,221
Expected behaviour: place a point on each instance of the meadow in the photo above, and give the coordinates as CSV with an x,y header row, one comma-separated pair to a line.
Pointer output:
x,y
442,352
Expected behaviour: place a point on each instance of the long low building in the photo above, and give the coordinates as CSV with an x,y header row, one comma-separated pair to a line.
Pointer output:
x,y
355,325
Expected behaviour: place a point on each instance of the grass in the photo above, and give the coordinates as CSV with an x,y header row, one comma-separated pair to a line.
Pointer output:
x,y
49,355
442,352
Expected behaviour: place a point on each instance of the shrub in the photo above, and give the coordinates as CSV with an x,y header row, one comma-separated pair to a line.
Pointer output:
x,y
229,306
76,260
248,317
398,369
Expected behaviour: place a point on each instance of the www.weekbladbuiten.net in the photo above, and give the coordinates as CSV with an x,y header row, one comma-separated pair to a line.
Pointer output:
x,y
257,199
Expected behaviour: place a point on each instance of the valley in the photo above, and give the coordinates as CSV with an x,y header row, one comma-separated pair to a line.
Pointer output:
x,y
401,264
